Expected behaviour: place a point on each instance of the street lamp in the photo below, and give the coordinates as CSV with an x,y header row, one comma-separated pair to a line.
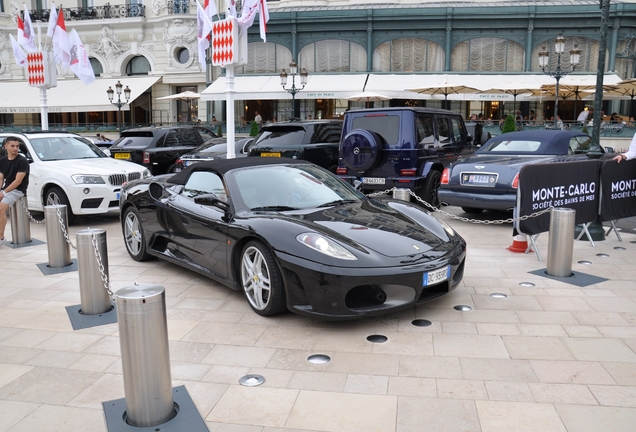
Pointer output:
x,y
293,71
558,73
110,92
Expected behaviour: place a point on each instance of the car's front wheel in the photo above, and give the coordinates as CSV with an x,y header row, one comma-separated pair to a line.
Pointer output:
x,y
134,235
56,196
431,186
261,280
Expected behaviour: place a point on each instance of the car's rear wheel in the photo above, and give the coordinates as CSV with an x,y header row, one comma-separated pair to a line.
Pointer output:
x,y
134,235
56,196
431,186
472,210
261,280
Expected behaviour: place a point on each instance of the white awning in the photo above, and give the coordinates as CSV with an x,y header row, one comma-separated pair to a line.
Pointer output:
x,y
260,87
70,95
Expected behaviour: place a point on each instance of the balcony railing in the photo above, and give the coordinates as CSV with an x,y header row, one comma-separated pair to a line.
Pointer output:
x,y
93,12
178,7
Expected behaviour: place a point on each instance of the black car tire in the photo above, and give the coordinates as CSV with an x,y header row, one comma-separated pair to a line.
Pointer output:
x,y
134,237
431,185
56,196
361,149
261,280
472,210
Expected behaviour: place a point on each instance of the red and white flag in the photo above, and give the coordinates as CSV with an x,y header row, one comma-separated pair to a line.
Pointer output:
x,y
80,64
26,36
248,14
209,6
231,8
61,46
18,53
52,21
204,27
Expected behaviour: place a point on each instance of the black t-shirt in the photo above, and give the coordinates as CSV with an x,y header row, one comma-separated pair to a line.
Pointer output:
x,y
10,168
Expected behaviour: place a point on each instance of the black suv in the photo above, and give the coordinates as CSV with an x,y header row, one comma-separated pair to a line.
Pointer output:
x,y
159,148
315,141
401,147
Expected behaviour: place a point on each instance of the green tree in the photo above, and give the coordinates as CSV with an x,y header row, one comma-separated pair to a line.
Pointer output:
x,y
509,125
585,131
254,129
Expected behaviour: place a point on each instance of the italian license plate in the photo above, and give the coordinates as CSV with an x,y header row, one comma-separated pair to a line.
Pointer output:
x,y
118,196
270,154
122,155
436,276
373,180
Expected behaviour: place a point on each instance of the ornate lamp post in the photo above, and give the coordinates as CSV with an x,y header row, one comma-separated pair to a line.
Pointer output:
x,y
558,73
293,71
119,102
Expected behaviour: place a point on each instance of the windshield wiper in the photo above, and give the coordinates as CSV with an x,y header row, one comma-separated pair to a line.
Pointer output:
x,y
274,208
339,201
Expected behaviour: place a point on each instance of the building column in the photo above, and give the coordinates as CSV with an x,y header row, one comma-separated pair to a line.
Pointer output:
x,y
611,64
447,48
370,40
528,65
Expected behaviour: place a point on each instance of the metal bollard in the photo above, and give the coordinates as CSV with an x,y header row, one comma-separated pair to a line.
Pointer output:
x,y
145,355
58,248
20,226
402,194
94,296
561,242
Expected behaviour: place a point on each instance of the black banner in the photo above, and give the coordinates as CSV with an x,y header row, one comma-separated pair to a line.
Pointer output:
x,y
572,185
618,188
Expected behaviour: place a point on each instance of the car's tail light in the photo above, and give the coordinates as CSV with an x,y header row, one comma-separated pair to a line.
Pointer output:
x,y
146,157
408,172
515,182
179,162
341,171
445,176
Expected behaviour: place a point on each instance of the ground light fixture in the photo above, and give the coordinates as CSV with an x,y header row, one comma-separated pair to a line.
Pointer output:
x,y
559,72
111,94
293,90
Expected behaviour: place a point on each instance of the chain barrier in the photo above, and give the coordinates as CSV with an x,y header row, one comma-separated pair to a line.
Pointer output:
x,y
100,265
461,218
24,206
63,227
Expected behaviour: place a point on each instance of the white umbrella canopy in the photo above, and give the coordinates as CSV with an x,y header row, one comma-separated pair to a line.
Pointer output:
x,y
445,89
368,96
186,95
514,88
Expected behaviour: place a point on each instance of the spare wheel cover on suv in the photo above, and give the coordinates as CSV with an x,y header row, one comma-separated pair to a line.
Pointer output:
x,y
361,149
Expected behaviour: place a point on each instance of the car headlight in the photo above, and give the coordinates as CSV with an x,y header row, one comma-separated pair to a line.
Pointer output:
x,y
324,245
451,232
146,174
87,179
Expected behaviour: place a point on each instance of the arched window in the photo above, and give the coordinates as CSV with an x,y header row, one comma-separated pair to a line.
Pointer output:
x,y
265,57
138,66
408,55
333,56
625,57
589,54
488,55
97,66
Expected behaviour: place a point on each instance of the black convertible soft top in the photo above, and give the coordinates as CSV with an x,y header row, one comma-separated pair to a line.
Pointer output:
x,y
221,166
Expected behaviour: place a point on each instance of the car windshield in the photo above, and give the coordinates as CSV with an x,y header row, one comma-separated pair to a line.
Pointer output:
x,y
281,136
514,146
134,141
283,187
65,148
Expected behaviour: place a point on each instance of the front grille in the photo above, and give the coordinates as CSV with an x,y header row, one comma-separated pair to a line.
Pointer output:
x,y
365,296
113,204
91,203
120,179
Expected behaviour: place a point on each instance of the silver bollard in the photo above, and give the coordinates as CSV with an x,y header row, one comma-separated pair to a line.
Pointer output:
x,y
145,355
94,297
20,226
57,246
561,242
402,194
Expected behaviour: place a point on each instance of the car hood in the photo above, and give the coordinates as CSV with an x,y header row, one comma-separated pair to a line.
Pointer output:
x,y
99,166
389,229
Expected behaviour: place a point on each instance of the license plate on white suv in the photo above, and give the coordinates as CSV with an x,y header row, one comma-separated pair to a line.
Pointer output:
x,y
436,276
374,180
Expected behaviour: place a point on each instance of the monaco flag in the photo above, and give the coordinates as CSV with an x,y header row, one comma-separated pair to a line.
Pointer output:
x,y
20,56
52,21
80,64
26,36
204,27
61,46
248,14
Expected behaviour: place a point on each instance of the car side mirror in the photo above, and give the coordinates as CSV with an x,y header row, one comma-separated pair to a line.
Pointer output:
x,y
609,149
469,139
28,158
357,184
211,200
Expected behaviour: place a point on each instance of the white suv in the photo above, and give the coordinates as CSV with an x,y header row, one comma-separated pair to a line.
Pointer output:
x,y
68,169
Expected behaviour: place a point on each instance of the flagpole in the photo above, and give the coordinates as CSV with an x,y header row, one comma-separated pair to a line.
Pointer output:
x,y
229,83
44,105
